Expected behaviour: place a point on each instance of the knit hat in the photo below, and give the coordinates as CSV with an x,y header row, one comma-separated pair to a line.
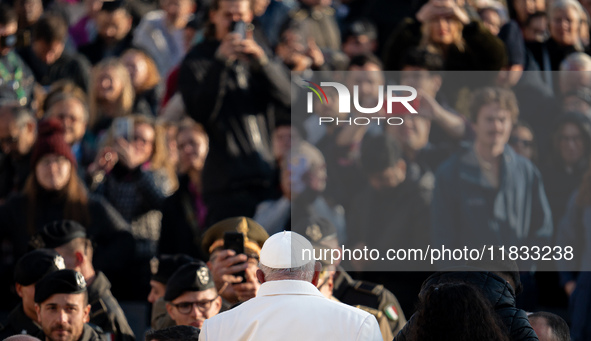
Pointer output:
x,y
50,140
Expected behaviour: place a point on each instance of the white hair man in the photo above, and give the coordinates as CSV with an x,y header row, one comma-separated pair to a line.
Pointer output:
x,y
288,306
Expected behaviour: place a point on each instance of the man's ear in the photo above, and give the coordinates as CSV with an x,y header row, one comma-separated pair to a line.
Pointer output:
x,y
260,276
19,289
38,310
87,313
79,259
317,270
169,309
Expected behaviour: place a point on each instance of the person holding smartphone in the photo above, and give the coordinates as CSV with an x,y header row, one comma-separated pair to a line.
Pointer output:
x,y
231,80
234,261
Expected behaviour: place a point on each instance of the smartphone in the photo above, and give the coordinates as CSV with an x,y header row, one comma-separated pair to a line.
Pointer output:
x,y
235,241
240,28
123,128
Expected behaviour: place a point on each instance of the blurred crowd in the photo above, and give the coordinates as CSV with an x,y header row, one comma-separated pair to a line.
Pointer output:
x,y
148,123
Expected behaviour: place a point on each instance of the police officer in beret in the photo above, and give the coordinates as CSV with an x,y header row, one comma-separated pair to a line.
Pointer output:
x,y
61,302
191,296
69,239
224,263
336,284
162,268
30,268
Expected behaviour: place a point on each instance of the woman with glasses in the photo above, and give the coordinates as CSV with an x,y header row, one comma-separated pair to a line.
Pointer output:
x,y
132,172
522,141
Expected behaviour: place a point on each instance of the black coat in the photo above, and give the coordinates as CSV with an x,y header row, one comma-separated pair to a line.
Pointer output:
x,y
105,311
180,231
18,322
236,105
497,291
98,50
13,174
108,231
73,67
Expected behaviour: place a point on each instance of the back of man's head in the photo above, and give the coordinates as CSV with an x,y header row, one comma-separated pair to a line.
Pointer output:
x,y
176,333
549,327
288,255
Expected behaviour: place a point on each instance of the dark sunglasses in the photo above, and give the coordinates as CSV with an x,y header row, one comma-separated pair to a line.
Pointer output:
x,y
525,143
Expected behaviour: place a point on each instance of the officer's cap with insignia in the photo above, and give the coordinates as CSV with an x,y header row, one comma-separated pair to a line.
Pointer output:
x,y
60,282
164,266
31,267
254,234
189,277
61,232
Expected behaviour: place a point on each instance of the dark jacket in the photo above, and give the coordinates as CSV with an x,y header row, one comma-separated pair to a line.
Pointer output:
x,y
105,311
392,218
98,50
235,103
180,231
467,211
549,54
18,322
482,50
13,174
73,67
109,232
499,293
138,196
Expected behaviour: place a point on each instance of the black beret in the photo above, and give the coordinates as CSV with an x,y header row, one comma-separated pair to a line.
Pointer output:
x,y
31,267
252,231
59,282
61,232
189,277
164,266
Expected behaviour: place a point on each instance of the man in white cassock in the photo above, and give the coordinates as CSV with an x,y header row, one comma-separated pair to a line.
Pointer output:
x,y
288,306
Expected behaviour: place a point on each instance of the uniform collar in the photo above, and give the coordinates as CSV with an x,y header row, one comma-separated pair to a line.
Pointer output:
x,y
288,287
98,287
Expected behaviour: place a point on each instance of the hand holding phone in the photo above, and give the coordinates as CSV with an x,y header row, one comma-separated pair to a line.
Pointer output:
x,y
235,241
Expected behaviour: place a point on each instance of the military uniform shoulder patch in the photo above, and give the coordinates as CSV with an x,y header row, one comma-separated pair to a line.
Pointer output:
x,y
391,313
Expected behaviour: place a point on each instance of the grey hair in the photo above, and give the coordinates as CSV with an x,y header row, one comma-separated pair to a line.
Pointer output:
x,y
565,4
302,273
576,61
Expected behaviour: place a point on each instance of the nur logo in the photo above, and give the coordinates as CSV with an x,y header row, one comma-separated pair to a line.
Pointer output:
x,y
344,96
